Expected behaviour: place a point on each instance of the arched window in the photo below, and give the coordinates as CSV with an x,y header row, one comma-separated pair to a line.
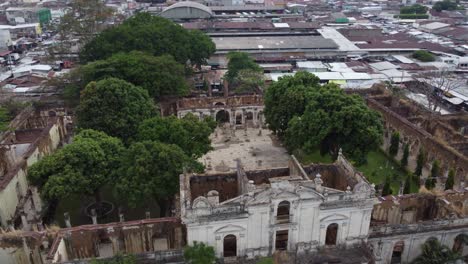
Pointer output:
x,y
397,252
222,116
459,243
282,214
230,246
331,237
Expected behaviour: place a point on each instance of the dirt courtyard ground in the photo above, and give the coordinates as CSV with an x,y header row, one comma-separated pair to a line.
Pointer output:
x,y
256,148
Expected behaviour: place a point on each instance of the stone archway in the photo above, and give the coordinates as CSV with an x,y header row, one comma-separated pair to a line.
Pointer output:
x,y
397,252
331,235
230,246
222,116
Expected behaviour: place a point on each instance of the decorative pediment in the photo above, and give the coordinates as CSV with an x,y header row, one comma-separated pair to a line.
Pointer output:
x,y
201,202
362,187
308,193
230,229
334,217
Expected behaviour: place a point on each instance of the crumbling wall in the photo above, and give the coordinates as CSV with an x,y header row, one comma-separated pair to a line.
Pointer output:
x,y
225,184
13,184
208,102
331,175
417,138
412,208
106,240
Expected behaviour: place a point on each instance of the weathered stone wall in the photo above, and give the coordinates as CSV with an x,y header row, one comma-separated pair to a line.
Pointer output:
x,y
417,138
408,221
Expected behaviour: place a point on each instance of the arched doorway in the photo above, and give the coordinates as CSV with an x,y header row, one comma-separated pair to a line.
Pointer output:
x,y
239,119
459,243
282,214
331,237
230,246
222,116
397,252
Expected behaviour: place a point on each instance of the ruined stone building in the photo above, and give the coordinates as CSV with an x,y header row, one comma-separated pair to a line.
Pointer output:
x,y
235,110
153,240
401,225
293,209
31,135
442,138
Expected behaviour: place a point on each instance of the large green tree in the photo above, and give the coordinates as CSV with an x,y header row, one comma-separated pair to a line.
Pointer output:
x,y
158,75
81,167
287,98
435,253
333,120
151,169
445,5
199,253
240,61
152,34
413,9
189,133
115,107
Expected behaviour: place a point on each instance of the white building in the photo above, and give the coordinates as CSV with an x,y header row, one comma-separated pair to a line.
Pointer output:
x,y
296,209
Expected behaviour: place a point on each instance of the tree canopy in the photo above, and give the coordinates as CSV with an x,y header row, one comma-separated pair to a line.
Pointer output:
x,y
158,75
150,169
82,167
287,98
152,34
115,107
199,253
240,61
308,116
413,9
445,5
190,134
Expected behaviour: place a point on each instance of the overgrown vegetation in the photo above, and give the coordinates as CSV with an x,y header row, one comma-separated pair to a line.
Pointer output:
x,y
423,56
445,5
199,253
307,115
152,34
413,9
433,252
244,75
118,259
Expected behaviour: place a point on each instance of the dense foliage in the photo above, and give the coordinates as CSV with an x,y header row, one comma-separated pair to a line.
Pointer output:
x,y
287,98
404,158
445,5
386,189
394,144
435,174
435,253
412,16
151,169
423,55
307,115
152,34
199,253
450,180
82,167
408,182
115,107
413,9
158,75
239,61
189,133
118,259
420,160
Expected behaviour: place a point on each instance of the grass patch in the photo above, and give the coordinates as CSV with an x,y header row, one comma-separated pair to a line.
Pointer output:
x,y
378,167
